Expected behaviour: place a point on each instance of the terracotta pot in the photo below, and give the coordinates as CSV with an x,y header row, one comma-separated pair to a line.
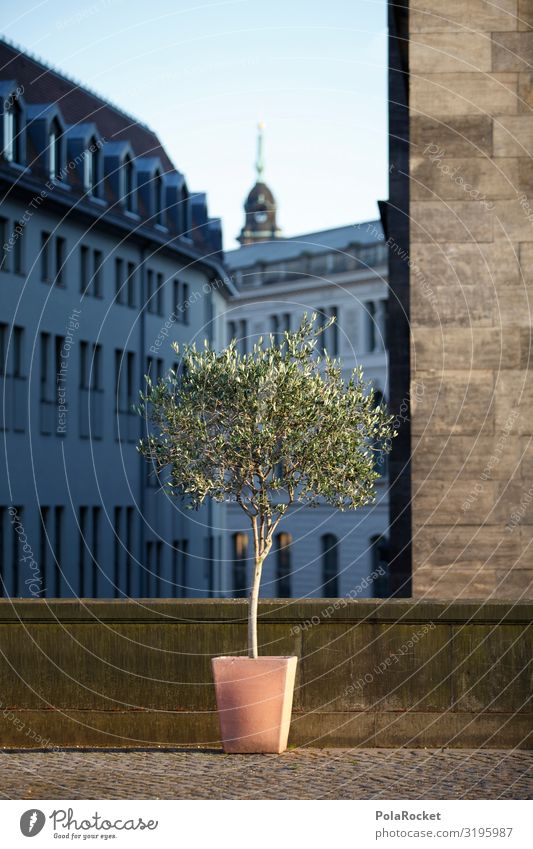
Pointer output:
x,y
254,700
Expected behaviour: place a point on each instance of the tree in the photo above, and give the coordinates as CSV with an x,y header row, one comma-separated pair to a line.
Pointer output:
x,y
267,429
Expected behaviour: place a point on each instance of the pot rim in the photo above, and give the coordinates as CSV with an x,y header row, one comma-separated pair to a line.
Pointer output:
x,y
255,659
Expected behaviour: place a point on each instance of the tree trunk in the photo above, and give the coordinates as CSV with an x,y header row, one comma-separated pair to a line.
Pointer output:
x,y
252,609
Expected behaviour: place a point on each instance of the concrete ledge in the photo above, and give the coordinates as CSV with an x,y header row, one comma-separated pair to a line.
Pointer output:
x,y
370,673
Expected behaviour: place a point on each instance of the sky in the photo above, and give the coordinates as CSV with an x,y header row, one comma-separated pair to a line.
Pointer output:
x,y
203,74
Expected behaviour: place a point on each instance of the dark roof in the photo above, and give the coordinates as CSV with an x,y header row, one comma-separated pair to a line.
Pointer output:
x,y
337,239
43,84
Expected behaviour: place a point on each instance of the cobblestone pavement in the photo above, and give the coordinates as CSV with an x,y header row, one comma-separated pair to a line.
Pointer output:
x,y
297,774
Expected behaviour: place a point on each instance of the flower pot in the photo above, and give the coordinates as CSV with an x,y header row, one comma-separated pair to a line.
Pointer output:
x,y
254,700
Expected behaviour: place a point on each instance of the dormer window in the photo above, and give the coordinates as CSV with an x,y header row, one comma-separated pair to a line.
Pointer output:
x,y
54,150
127,194
12,130
158,197
90,167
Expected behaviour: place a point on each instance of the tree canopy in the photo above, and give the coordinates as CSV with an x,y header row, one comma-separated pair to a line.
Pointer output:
x,y
267,428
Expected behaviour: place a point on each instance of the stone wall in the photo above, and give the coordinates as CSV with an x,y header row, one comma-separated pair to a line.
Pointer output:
x,y
471,288
137,673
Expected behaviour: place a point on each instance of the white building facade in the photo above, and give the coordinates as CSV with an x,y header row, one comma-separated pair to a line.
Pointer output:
x,y
341,272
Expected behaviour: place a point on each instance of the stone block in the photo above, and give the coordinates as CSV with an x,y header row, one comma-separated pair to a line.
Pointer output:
x,y
456,16
449,52
513,394
525,15
466,348
372,667
525,92
456,221
454,580
513,136
474,548
513,220
512,51
496,457
435,305
450,95
453,402
434,177
465,502
483,663
464,136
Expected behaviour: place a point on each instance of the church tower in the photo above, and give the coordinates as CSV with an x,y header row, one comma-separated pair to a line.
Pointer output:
x,y
260,206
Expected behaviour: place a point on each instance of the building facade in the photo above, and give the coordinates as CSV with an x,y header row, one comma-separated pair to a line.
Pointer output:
x,y
106,258
463,133
342,273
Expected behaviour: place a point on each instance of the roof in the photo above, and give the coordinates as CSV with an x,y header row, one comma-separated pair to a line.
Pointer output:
x,y
337,239
43,84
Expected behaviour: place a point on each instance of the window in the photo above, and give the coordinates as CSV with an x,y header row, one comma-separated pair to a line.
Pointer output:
x,y
150,291
181,301
119,280
18,247
155,367
83,545
127,176
97,286
58,549
60,252
18,352
158,198
151,575
283,565
90,167
243,336
380,566
232,331
16,554
279,324
4,330
46,383
90,366
117,548
44,549
12,131
131,284
329,339
96,549
45,257
54,150
84,268
240,559
330,565
3,244
89,523
130,517
370,326
333,341
160,294
185,302
180,568
131,389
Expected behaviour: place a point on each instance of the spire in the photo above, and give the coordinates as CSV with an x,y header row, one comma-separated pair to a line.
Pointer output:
x,y
260,206
260,162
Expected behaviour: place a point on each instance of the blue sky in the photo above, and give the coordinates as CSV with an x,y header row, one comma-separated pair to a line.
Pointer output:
x,y
202,74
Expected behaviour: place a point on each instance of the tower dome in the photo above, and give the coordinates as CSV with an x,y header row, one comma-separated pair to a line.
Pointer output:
x,y
260,205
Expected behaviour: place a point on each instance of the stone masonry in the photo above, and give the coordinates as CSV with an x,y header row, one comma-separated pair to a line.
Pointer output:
x,y
471,273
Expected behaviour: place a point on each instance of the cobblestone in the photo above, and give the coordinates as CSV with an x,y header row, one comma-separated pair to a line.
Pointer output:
x,y
297,774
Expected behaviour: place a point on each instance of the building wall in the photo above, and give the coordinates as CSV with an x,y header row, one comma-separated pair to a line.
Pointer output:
x,y
65,462
360,299
471,233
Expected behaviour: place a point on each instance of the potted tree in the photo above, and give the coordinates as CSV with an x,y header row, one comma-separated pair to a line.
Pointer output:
x,y
267,429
